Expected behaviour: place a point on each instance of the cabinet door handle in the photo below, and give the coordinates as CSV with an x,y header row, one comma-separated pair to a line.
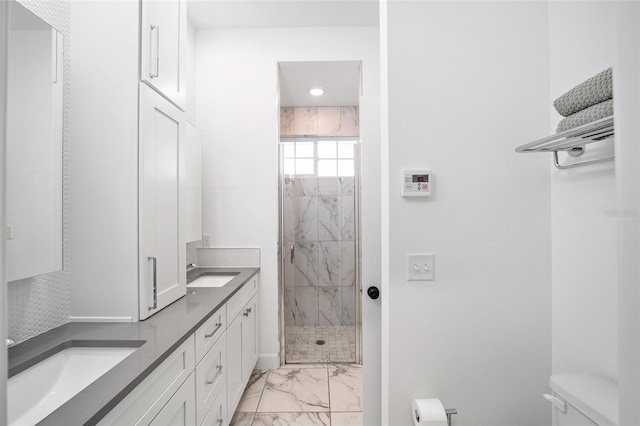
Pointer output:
x,y
210,335
155,283
212,381
247,312
293,253
155,74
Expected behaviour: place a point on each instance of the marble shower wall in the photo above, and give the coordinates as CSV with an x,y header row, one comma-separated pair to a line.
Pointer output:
x,y
319,121
319,225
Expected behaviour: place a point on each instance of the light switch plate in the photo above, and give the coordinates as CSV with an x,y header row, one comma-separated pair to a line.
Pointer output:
x,y
420,267
206,240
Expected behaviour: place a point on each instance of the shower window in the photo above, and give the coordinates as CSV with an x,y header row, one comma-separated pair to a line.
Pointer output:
x,y
299,158
329,157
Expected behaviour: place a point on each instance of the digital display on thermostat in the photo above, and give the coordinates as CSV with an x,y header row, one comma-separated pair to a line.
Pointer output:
x,y
416,183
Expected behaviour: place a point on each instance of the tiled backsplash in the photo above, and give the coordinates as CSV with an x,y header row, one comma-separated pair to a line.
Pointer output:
x,y
228,257
319,121
319,222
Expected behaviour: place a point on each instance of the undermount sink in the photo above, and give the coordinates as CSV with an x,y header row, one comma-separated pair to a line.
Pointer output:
x,y
36,392
213,280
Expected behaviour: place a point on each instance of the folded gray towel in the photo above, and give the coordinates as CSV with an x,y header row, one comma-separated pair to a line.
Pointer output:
x,y
597,89
587,115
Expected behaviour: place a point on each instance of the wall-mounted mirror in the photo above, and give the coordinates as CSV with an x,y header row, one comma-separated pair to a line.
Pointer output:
x,y
34,146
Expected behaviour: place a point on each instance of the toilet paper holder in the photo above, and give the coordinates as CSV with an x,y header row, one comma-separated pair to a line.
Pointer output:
x,y
448,411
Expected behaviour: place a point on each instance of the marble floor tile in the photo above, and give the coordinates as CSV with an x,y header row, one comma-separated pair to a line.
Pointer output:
x,y
252,393
347,419
295,390
297,419
345,387
242,419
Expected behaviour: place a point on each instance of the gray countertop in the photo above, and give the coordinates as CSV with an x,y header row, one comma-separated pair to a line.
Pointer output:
x,y
162,333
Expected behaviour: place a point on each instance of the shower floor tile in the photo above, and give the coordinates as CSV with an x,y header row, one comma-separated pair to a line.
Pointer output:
x,y
301,344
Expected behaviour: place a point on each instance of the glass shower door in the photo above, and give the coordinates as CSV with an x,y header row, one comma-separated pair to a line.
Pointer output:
x,y
319,217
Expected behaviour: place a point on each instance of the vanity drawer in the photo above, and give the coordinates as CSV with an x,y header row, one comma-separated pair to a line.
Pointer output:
x,y
209,332
237,302
210,378
217,415
149,397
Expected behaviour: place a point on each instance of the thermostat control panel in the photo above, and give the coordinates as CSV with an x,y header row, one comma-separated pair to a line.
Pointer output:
x,y
416,183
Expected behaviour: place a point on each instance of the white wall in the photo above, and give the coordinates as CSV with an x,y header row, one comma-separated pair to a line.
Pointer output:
x,y
467,83
583,219
627,107
237,111
4,27
104,221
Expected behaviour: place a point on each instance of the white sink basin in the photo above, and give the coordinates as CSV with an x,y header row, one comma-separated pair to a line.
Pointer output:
x,y
37,391
212,281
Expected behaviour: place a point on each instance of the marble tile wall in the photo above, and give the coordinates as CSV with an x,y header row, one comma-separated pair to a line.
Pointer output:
x,y
319,121
320,287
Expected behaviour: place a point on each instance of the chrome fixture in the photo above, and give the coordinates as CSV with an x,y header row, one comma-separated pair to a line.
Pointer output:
x,y
10,342
573,142
190,265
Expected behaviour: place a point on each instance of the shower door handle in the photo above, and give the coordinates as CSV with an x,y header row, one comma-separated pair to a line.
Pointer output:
x,y
293,253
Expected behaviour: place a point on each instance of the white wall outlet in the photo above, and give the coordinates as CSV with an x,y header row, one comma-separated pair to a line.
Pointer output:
x,y
206,240
420,267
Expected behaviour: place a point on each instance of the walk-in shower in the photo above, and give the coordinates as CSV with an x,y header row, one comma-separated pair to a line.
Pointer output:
x,y
319,169
319,224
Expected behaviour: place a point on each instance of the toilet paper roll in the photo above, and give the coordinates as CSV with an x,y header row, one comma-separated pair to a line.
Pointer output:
x,y
429,412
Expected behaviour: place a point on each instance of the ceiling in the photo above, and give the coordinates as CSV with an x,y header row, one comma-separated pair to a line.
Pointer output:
x,y
339,79
205,14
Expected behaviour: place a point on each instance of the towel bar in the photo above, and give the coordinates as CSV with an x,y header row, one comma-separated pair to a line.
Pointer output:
x,y
573,142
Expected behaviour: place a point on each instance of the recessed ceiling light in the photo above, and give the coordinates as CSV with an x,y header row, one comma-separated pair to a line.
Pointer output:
x,y
317,91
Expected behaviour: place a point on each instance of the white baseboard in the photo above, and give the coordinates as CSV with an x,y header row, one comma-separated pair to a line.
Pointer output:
x,y
101,319
268,362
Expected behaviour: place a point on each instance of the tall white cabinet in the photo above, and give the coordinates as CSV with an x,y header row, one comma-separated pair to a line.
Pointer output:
x,y
162,257
129,126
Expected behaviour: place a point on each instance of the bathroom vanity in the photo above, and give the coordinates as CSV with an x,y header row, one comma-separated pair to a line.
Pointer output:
x,y
193,361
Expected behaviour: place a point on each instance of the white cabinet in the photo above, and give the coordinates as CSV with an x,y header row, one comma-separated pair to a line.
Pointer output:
x,y
242,345
249,337
191,184
163,47
162,257
181,408
202,381
148,399
211,378
218,415
234,364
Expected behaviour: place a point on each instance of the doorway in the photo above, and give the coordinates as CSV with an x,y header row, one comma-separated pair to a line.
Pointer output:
x,y
319,201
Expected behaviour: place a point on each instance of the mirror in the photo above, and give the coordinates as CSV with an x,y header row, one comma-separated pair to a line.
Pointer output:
x,y
33,146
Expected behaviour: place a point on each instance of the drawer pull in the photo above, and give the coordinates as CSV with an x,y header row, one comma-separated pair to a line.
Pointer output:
x,y
155,73
210,335
212,381
155,283
247,312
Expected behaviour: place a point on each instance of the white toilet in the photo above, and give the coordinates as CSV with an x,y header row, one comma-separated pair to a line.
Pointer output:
x,y
583,400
